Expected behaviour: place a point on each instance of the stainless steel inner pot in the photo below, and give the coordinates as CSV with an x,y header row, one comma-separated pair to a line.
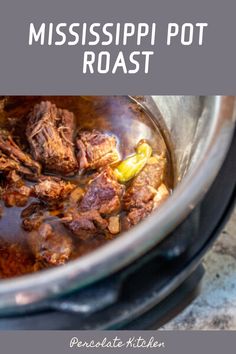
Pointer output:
x,y
200,130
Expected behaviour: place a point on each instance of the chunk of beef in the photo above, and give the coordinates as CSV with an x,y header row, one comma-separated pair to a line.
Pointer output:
x,y
135,215
86,224
16,156
13,177
32,223
96,149
143,187
51,190
50,247
7,164
33,216
103,194
36,213
16,194
50,135
102,198
142,195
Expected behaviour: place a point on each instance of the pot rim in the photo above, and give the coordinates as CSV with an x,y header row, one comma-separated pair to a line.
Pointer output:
x,y
35,287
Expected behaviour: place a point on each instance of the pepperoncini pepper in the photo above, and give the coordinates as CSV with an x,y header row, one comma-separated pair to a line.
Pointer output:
x,y
132,165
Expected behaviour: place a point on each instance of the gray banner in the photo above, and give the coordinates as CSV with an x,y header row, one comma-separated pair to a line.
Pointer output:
x,y
186,66
117,342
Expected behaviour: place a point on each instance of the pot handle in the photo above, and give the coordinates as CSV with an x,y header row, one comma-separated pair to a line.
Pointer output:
x,y
90,299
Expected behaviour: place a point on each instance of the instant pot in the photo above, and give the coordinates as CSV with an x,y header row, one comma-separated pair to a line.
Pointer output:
x,y
149,273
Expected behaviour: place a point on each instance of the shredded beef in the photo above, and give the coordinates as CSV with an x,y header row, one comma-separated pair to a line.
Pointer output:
x,y
12,177
51,190
96,149
50,135
7,164
17,159
16,194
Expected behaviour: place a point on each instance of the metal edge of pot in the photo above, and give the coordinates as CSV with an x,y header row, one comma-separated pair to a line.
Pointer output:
x,y
31,289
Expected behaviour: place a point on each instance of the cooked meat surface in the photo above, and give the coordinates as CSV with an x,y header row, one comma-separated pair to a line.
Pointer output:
x,y
50,135
102,198
96,149
14,153
103,194
16,194
37,213
31,209
32,223
50,247
7,164
51,190
33,216
14,191
86,224
12,177
135,215
139,199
